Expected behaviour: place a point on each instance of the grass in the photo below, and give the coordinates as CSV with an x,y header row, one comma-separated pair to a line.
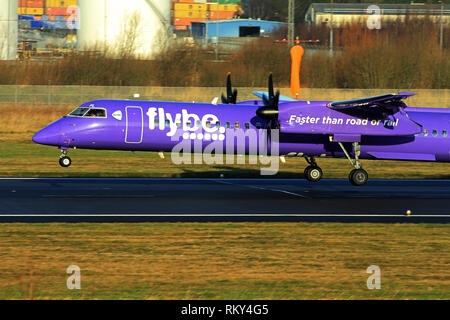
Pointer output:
x,y
224,261
20,157
209,261
27,159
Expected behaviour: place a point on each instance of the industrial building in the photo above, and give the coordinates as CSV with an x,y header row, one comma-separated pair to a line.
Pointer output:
x,y
209,31
341,13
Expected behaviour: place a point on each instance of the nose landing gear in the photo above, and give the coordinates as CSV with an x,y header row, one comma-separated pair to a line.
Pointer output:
x,y
64,160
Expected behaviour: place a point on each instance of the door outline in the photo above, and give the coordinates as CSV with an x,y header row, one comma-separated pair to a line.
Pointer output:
x,y
126,125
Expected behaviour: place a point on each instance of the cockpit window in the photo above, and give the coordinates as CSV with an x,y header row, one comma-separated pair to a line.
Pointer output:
x,y
88,112
96,113
78,112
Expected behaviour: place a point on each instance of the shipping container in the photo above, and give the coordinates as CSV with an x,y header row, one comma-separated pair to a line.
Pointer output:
x,y
190,6
222,7
230,2
190,14
26,17
184,22
60,3
30,11
31,3
61,11
221,15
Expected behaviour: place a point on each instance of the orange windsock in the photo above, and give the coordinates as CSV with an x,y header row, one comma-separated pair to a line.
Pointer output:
x,y
296,56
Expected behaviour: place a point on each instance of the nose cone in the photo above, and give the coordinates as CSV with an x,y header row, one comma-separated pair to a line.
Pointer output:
x,y
50,135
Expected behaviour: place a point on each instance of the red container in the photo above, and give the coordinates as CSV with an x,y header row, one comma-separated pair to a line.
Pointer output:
x,y
184,21
61,11
221,14
31,3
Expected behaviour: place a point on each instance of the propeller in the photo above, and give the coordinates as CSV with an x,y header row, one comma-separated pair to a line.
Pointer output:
x,y
231,94
270,109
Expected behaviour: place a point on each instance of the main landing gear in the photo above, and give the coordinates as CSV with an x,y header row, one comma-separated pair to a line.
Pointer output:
x,y
64,160
357,176
313,172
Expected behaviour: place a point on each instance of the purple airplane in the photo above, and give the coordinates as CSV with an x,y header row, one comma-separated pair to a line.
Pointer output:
x,y
380,127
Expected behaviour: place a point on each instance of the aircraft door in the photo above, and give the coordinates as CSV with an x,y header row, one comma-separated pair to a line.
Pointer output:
x,y
134,125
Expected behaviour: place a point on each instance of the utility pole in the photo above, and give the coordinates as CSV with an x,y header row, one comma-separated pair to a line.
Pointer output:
x,y
291,21
331,28
217,31
441,28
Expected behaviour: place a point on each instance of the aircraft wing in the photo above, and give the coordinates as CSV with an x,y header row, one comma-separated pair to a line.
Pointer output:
x,y
390,101
260,94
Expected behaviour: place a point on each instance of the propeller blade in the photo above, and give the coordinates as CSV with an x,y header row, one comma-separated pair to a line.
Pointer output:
x,y
234,99
224,100
276,100
270,87
270,109
265,100
229,89
231,94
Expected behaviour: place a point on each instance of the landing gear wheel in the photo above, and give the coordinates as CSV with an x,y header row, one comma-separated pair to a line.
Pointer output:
x,y
65,162
313,173
358,177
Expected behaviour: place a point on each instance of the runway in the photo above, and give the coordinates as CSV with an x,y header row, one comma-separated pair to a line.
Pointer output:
x,y
154,200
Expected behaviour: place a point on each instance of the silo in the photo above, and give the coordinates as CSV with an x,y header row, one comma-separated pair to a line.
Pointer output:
x,y
124,27
8,29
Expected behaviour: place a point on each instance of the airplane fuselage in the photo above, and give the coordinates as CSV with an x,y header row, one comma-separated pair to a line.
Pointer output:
x,y
306,129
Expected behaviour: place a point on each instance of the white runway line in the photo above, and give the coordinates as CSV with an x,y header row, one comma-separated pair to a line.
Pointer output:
x,y
230,215
260,188
95,196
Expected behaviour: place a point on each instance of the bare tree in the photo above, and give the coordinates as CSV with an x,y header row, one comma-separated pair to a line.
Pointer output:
x,y
129,39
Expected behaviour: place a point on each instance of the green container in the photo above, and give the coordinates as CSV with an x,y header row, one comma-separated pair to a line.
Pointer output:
x,y
230,2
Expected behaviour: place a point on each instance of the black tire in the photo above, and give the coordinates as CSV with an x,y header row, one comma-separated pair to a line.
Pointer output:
x,y
358,177
306,172
65,162
313,173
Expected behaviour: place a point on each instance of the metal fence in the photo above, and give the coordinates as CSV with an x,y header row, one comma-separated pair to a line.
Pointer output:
x,y
76,95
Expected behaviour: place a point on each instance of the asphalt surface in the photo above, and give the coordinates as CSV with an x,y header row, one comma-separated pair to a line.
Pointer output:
x,y
138,200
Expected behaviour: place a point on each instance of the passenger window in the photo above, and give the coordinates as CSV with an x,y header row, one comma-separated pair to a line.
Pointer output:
x,y
167,123
228,124
96,113
189,123
435,133
444,133
208,124
236,125
218,124
258,125
425,132
247,125
199,123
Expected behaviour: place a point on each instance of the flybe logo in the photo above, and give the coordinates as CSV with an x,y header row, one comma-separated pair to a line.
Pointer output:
x,y
190,122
